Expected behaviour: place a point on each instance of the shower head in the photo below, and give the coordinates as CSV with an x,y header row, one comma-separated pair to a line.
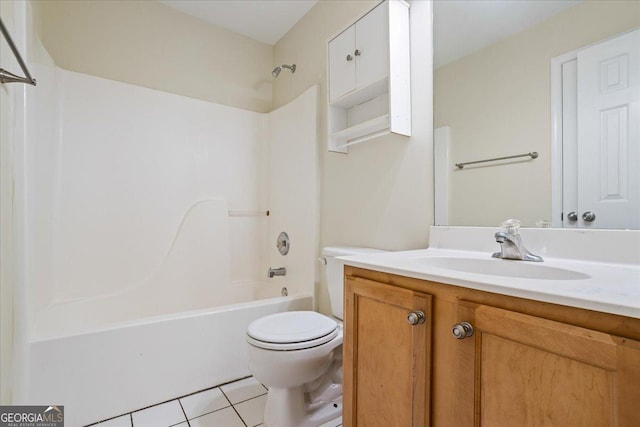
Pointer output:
x,y
276,71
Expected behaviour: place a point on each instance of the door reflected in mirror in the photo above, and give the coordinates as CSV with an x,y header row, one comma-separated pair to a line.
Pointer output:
x,y
558,78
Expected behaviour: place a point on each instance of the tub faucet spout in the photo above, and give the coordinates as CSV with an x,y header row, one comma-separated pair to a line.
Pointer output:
x,y
277,271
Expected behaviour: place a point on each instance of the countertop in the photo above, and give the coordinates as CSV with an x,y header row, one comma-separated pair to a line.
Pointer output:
x,y
609,287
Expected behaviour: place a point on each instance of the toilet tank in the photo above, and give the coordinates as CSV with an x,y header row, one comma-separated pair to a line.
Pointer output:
x,y
335,273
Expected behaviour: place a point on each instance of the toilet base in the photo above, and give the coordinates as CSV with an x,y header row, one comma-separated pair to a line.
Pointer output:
x,y
287,408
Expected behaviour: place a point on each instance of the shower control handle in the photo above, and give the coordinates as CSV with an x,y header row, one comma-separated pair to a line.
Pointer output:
x,y
349,58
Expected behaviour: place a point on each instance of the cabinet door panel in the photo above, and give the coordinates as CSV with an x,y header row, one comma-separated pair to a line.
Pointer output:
x,y
559,389
342,72
372,41
531,371
386,370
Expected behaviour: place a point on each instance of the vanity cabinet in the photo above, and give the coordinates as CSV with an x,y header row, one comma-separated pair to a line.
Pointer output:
x,y
369,77
526,363
387,357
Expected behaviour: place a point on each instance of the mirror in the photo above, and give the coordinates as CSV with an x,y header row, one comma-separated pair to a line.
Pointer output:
x,y
501,89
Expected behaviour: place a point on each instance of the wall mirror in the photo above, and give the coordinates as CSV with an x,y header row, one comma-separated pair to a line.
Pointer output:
x,y
558,78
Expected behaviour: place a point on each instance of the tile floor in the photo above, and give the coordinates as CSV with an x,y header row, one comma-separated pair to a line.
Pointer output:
x,y
236,404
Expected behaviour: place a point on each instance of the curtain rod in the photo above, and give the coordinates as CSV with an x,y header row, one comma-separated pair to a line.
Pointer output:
x,y
7,76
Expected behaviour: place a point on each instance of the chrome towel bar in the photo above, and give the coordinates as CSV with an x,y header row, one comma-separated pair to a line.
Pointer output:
x,y
248,213
7,76
533,155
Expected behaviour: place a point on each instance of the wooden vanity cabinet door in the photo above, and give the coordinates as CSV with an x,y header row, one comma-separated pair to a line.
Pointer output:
x,y
530,371
386,359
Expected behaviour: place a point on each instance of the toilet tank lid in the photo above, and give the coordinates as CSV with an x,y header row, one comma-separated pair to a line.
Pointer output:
x,y
333,251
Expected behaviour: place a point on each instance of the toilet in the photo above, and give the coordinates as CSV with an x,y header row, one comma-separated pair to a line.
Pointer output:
x,y
297,355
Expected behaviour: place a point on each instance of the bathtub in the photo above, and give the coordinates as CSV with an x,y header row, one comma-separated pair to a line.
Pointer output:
x,y
118,344
100,370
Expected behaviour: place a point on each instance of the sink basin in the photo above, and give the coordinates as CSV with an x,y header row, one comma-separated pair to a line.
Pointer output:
x,y
501,267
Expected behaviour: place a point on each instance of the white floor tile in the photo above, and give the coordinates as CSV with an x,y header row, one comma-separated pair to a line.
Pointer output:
x,y
333,423
123,421
252,411
243,390
223,418
164,415
204,402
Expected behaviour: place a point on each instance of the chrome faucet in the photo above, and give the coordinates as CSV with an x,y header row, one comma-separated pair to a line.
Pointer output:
x,y
511,246
277,271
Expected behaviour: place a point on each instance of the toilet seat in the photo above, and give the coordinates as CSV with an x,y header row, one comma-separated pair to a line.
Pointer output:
x,y
292,330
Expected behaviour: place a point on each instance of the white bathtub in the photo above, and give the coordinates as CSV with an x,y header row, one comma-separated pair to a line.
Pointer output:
x,y
99,371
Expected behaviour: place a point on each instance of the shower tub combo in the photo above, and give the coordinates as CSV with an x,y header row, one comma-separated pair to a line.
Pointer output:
x,y
142,283
136,284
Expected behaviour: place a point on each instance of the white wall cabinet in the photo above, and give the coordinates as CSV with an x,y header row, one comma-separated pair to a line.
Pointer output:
x,y
359,56
369,77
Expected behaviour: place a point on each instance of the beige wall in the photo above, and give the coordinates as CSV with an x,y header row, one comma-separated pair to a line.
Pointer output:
x,y
497,103
380,194
148,44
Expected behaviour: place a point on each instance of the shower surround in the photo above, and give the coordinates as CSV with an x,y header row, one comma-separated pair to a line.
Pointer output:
x,y
139,275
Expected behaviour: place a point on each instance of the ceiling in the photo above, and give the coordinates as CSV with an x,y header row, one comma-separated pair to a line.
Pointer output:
x,y
262,20
460,26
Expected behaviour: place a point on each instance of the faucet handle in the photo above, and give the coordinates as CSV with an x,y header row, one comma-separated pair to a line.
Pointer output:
x,y
512,226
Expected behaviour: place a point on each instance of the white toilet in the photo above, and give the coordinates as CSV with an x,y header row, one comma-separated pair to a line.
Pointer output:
x,y
298,356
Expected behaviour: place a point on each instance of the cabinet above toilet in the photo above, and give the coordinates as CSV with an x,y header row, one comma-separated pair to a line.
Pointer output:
x,y
369,81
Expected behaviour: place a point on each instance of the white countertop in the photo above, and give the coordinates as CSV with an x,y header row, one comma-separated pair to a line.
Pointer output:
x,y
610,287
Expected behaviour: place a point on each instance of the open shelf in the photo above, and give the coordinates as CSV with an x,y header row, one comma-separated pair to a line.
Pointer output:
x,y
361,95
360,133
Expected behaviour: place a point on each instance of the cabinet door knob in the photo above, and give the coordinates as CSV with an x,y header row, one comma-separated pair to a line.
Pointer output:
x,y
349,57
462,330
415,317
588,216
572,216
357,52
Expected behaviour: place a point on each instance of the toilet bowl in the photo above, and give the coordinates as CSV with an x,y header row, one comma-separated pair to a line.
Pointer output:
x,y
297,355
304,382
